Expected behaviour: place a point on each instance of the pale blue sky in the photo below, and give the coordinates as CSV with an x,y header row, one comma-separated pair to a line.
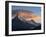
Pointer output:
x,y
36,10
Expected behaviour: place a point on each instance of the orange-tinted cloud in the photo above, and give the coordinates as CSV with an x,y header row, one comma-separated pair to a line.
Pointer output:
x,y
29,16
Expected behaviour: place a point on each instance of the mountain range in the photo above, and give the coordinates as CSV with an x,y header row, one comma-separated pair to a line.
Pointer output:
x,y
25,21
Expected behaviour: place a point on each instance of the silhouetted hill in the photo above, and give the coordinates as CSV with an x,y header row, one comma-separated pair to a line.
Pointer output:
x,y
17,24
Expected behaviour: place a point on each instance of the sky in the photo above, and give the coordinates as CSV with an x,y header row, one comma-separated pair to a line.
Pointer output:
x,y
36,10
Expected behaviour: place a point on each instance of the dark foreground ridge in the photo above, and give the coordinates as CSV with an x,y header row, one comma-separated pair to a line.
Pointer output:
x,y
20,25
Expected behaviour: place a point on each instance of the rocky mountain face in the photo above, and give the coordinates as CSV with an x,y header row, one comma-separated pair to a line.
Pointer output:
x,y
25,21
